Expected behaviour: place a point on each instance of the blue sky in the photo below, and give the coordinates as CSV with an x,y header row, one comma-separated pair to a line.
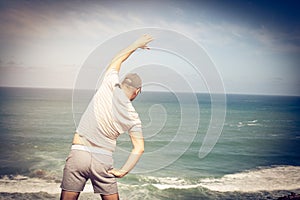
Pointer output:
x,y
255,45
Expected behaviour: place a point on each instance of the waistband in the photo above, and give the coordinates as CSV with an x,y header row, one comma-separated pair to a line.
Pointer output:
x,y
91,149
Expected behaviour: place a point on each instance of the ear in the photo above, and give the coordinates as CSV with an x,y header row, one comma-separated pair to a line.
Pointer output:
x,y
137,91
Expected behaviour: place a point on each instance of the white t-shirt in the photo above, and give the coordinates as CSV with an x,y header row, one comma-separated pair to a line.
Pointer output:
x,y
109,114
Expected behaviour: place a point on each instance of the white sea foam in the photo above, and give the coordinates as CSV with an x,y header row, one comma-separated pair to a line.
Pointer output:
x,y
240,124
170,182
262,179
248,123
23,184
253,121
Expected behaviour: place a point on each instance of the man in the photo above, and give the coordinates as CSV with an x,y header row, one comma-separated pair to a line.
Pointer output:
x,y
109,114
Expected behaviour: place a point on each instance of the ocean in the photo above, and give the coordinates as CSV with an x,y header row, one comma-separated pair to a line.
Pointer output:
x,y
257,155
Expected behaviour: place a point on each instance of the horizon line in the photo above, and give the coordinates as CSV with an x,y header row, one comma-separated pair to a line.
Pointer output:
x,y
197,92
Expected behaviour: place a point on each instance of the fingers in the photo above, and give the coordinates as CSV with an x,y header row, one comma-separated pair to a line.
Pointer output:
x,y
143,41
148,38
112,172
116,173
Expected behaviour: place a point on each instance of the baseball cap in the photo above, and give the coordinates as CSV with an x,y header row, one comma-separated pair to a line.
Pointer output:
x,y
133,80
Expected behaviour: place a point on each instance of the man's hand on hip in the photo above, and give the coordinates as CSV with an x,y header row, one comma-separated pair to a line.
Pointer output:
x,y
117,173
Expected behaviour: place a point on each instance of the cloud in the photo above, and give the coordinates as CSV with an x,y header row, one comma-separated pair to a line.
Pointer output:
x,y
52,34
90,22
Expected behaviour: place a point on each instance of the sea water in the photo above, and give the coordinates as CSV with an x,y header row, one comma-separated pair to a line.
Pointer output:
x,y
256,157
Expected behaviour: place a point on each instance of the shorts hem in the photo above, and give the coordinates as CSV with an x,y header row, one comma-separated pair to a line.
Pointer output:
x,y
102,193
70,190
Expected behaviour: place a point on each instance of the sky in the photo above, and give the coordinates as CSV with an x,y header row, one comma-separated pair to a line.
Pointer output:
x,y
254,45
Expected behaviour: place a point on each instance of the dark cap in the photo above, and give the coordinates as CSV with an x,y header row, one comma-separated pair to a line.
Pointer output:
x,y
133,80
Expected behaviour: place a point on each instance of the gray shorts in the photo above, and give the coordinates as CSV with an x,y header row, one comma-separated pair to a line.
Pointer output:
x,y
83,165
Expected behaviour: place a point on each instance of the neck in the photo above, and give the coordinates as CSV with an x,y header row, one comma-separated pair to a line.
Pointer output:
x,y
127,92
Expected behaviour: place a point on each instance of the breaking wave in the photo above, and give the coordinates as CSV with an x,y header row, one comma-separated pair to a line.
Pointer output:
x,y
262,183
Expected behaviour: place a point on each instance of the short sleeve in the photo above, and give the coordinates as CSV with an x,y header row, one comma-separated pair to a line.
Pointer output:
x,y
111,78
136,125
124,114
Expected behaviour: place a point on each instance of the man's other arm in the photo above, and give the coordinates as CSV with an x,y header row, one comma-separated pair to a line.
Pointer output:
x,y
137,140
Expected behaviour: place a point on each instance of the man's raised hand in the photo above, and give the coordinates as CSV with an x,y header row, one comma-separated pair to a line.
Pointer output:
x,y
143,41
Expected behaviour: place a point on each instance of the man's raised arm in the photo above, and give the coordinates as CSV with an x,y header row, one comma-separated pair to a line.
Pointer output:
x,y
125,53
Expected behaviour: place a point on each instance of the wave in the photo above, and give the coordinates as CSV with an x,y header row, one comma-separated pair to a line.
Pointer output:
x,y
259,183
247,123
260,179
24,184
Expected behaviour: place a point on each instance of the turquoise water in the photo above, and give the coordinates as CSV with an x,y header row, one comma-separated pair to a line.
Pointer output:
x,y
256,156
